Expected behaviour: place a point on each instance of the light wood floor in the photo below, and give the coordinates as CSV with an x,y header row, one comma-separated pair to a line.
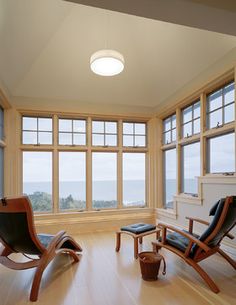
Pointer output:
x,y
104,277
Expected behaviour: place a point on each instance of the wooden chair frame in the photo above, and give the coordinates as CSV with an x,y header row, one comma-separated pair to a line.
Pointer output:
x,y
45,255
203,250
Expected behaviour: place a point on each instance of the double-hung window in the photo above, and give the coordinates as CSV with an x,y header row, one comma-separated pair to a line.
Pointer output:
x,y
191,120
169,129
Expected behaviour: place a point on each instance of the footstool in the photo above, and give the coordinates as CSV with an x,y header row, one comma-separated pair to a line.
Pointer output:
x,y
137,231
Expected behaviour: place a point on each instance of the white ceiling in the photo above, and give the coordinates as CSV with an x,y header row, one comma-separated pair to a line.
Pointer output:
x,y
45,47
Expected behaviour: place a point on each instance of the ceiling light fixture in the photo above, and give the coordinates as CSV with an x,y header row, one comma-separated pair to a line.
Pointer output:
x,y
107,62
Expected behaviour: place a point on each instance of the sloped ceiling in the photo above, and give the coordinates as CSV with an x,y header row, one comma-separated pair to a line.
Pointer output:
x,y
46,46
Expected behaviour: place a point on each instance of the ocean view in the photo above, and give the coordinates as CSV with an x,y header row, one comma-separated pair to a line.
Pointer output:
x,y
72,194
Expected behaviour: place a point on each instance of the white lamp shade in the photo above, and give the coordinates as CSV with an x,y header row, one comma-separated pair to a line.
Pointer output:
x,y
107,62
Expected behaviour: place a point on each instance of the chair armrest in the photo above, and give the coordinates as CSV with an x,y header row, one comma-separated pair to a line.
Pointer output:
x,y
191,238
204,222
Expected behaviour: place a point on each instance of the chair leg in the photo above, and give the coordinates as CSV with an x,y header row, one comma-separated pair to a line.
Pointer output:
x,y
135,247
118,241
204,276
37,279
140,240
155,247
231,261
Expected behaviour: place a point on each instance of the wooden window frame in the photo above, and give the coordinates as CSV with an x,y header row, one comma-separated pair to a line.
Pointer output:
x,y
205,133
89,149
134,134
72,132
208,112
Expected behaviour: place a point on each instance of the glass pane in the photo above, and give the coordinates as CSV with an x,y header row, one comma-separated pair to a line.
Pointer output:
x,y
167,124
196,126
45,124
187,130
72,180
173,135
45,138
65,125
37,179
29,123
65,138
29,137
215,118
140,128
79,125
229,94
111,127
1,172
128,128
170,177
222,153
173,121
111,140
104,175
196,110
167,137
98,140
191,168
187,114
128,141
215,100
134,182
229,113
98,127
140,141
79,139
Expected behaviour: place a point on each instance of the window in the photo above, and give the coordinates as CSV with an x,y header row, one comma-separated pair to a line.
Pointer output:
x,y
104,133
72,132
1,152
37,179
87,160
72,180
191,120
190,167
134,179
169,177
169,129
36,130
220,106
104,175
221,154
134,134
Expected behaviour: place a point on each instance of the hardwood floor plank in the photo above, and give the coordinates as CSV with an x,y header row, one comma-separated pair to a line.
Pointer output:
x,y
105,277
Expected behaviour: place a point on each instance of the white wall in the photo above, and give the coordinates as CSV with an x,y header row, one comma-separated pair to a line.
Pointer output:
x,y
211,192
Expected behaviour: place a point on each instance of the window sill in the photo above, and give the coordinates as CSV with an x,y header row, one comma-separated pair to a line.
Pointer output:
x,y
167,213
217,179
186,198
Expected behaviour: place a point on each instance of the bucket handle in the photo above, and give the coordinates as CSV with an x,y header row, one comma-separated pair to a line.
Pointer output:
x,y
164,263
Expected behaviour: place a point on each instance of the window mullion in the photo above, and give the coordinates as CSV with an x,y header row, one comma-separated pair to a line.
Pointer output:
x,y
120,168
89,167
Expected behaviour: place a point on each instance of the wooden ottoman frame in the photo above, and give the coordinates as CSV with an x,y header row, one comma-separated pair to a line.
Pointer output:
x,y
137,238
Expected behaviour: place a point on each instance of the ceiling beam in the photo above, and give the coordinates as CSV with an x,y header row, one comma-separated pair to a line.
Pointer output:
x,y
217,16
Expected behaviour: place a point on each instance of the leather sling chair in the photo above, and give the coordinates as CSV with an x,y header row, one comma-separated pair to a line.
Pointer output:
x,y
18,235
193,248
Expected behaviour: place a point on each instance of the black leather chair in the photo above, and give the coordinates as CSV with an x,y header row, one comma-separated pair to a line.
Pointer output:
x,y
18,235
193,248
